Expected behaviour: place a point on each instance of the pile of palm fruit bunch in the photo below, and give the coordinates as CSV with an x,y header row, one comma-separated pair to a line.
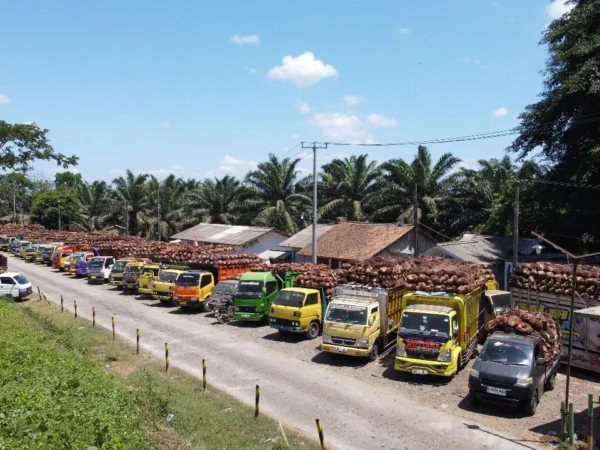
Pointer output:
x,y
557,279
540,325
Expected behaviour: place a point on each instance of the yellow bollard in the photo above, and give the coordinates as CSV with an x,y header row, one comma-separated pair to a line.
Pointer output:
x,y
321,438
257,401
113,327
204,375
62,307
93,316
137,341
39,293
75,305
166,357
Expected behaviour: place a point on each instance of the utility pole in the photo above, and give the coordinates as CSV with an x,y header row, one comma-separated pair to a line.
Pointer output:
x,y
14,205
516,227
314,148
59,215
416,221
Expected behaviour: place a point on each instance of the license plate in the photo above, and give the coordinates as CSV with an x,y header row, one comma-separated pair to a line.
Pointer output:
x,y
286,328
496,391
245,316
93,278
419,372
341,349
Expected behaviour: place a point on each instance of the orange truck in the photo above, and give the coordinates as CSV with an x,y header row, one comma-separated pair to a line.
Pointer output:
x,y
194,287
61,254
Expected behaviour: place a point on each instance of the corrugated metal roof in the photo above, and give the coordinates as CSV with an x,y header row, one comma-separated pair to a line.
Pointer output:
x,y
272,254
222,234
304,237
350,241
471,248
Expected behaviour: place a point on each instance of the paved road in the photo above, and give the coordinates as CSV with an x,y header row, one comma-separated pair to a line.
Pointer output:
x,y
355,415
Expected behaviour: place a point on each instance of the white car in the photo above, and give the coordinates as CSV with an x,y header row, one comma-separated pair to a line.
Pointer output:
x,y
15,285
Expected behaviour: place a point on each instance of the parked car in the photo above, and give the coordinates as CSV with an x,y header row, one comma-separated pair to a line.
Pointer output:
x,y
15,286
511,370
99,269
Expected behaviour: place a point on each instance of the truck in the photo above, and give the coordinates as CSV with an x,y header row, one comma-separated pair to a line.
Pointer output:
x,y
5,243
164,285
438,331
586,330
194,287
299,310
511,370
117,272
132,273
361,320
29,253
81,266
60,256
99,269
147,277
256,292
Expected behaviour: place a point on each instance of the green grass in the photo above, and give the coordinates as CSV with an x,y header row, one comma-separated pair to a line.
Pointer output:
x,y
201,420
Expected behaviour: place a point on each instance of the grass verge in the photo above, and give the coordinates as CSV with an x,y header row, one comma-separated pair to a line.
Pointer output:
x,y
112,374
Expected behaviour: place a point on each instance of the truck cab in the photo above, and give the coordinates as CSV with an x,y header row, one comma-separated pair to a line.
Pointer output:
x,y
511,370
60,256
298,310
116,274
193,287
99,269
29,252
255,294
21,248
150,273
78,266
131,275
39,254
5,243
163,287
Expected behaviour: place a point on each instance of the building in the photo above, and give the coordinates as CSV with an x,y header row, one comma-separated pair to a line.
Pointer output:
x,y
243,238
492,250
303,238
356,241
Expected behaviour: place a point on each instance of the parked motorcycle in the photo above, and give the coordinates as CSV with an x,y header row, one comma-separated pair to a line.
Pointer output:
x,y
224,312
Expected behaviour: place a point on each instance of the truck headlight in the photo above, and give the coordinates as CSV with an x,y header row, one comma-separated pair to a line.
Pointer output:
x,y
363,342
236,309
327,339
475,373
524,381
444,356
400,351
175,297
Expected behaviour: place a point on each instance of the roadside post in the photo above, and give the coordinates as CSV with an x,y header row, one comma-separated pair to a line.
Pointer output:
x,y
257,401
166,356
75,308
62,306
590,439
321,437
137,342
204,375
113,327
93,316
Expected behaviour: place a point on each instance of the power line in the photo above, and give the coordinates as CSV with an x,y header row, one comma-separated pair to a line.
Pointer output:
x,y
291,149
437,232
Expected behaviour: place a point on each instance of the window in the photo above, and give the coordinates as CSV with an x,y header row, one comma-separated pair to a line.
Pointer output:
x,y
271,287
205,281
454,326
7,280
312,299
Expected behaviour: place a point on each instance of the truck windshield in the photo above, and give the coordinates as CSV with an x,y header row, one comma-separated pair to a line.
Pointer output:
x,y
20,279
167,277
500,300
152,272
96,264
425,324
133,269
287,298
188,279
352,314
57,253
249,289
224,289
119,266
507,353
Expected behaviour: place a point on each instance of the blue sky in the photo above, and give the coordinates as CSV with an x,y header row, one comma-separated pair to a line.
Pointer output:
x,y
207,88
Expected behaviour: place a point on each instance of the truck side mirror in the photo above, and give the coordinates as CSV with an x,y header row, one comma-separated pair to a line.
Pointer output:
x,y
540,362
371,321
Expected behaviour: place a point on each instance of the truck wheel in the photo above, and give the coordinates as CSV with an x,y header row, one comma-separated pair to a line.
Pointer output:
x,y
531,404
374,353
204,307
550,382
313,330
126,291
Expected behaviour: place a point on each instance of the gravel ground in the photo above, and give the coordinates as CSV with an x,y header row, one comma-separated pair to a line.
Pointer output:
x,y
367,404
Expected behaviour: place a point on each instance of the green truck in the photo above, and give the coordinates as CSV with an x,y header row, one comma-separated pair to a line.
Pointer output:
x,y
255,294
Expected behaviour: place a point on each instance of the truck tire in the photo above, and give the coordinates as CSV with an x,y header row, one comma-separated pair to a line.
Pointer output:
x,y
374,353
313,330
550,383
530,405
204,307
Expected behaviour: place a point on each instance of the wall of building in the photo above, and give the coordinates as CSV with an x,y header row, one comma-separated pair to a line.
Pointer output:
x,y
268,241
406,246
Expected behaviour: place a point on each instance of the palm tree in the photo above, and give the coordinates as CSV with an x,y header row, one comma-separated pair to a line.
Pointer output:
x,y
93,205
216,201
162,207
435,183
346,187
129,195
280,196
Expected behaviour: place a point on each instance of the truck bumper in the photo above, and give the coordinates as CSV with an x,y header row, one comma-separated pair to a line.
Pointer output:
x,y
421,367
248,316
93,279
145,291
117,282
286,328
342,350
165,297
187,303
514,395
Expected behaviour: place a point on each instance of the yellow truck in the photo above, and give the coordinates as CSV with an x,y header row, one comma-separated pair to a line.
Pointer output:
x,y
29,253
361,321
150,272
438,331
163,287
299,310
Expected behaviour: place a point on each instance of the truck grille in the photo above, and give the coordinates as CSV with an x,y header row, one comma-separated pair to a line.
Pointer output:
x,y
282,322
344,341
497,384
427,356
247,308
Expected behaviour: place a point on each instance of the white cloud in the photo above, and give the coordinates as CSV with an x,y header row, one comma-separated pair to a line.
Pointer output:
x,y
241,40
381,121
165,124
295,136
302,70
5,98
353,100
302,106
404,30
558,8
252,165
231,161
175,169
500,112
341,126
